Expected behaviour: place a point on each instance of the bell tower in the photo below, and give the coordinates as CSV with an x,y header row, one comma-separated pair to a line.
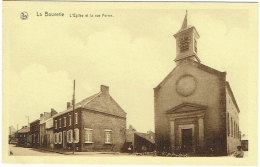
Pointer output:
x,y
186,42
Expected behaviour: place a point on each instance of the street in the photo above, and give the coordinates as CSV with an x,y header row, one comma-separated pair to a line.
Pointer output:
x,y
21,151
28,151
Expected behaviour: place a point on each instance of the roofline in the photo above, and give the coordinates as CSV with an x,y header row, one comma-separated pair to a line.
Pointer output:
x,y
79,106
66,111
24,132
199,66
188,28
232,96
136,133
34,121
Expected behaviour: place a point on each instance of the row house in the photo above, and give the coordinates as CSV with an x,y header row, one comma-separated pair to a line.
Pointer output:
x,y
46,131
22,136
99,124
34,136
37,130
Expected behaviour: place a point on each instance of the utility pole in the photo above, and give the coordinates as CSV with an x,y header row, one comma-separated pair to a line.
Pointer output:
x,y
17,132
28,120
73,117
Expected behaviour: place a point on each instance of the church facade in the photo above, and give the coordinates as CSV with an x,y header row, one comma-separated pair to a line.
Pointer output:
x,y
195,108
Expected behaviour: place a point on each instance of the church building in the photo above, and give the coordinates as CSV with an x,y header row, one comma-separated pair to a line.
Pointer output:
x,y
194,106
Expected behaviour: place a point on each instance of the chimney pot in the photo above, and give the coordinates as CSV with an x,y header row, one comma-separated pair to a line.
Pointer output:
x,y
68,105
104,89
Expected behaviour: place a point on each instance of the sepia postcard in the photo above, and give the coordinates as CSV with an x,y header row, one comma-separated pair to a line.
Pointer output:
x,y
140,83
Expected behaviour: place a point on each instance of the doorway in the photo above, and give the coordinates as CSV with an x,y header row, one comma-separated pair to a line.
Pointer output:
x,y
186,139
64,139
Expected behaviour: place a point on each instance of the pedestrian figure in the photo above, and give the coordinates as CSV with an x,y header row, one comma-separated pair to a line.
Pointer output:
x,y
211,152
143,150
154,153
239,153
129,150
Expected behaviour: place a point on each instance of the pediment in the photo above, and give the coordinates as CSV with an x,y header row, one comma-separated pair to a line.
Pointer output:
x,y
186,107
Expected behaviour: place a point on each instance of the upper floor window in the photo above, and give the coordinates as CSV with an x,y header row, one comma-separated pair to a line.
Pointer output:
x,y
64,121
60,122
56,125
76,118
69,120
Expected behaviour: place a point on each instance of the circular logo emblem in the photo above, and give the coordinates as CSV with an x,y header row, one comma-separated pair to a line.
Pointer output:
x,y
186,85
24,16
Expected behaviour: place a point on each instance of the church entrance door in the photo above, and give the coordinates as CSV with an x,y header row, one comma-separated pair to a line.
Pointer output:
x,y
186,139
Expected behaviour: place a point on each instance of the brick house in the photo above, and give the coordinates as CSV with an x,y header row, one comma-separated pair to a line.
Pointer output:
x,y
37,130
43,135
99,124
22,136
195,108
35,133
46,129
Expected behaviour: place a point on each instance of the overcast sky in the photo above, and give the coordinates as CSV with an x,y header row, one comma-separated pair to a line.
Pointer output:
x,y
131,52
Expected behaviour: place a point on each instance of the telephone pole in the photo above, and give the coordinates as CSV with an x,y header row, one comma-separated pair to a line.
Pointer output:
x,y
28,119
73,117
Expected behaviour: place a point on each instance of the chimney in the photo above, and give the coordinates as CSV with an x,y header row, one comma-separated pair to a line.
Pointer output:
x,y
68,105
53,112
41,114
104,89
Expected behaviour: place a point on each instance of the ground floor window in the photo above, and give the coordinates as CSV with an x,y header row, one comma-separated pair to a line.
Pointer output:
x,y
108,136
69,136
88,135
55,138
76,131
60,137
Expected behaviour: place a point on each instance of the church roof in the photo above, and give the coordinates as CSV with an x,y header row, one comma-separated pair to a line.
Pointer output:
x,y
196,64
232,96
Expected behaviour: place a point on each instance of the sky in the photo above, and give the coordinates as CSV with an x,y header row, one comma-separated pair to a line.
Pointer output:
x,y
131,52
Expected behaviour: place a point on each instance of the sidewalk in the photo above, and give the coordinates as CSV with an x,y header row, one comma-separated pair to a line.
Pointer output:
x,y
69,152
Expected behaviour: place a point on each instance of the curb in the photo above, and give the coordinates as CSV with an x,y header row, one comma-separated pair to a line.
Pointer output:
x,y
53,151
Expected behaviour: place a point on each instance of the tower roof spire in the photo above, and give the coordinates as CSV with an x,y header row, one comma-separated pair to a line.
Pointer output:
x,y
185,22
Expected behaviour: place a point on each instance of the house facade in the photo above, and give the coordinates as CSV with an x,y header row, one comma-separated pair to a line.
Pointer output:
x,y
43,135
22,136
195,109
46,129
35,133
98,124
12,133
